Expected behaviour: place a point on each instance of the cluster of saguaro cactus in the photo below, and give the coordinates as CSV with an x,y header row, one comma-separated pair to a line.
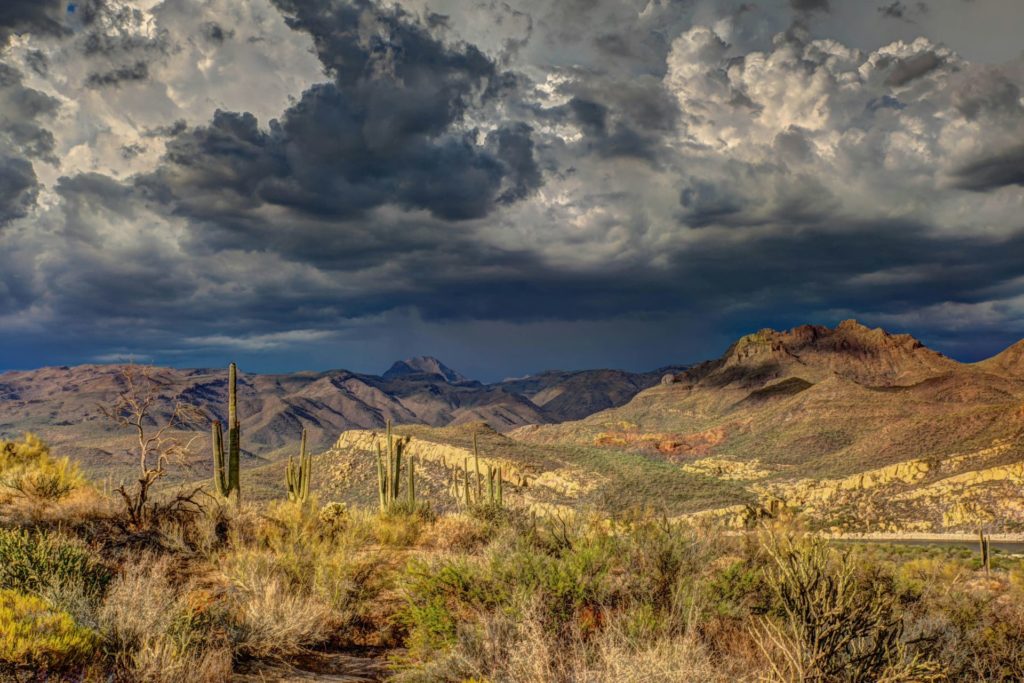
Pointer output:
x,y
297,474
225,469
467,486
389,472
986,551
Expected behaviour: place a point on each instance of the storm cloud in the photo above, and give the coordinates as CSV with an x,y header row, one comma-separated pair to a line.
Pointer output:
x,y
430,172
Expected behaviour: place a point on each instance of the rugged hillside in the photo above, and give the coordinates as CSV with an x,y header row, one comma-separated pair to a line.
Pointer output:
x,y
817,408
63,403
1009,363
574,395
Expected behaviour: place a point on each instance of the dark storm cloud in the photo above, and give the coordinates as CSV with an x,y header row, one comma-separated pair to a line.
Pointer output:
x,y
988,92
906,70
514,146
216,33
21,108
22,138
810,5
18,188
139,71
1000,170
37,61
384,131
31,16
900,10
620,120
608,159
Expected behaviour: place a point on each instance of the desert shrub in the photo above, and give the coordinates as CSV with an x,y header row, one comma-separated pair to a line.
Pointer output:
x,y
28,451
275,620
34,635
333,516
28,468
438,594
737,590
160,630
835,624
297,581
457,532
32,561
399,528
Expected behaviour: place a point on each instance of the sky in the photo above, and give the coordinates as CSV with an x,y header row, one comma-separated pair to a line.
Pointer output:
x,y
507,185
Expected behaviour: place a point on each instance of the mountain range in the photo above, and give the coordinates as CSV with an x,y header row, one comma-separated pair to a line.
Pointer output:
x,y
846,423
857,428
63,404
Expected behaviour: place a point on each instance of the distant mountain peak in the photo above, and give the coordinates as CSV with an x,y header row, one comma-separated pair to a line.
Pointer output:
x,y
424,365
851,350
1009,362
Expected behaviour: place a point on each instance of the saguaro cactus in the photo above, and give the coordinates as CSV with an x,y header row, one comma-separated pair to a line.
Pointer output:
x,y
225,474
986,551
469,490
297,474
389,472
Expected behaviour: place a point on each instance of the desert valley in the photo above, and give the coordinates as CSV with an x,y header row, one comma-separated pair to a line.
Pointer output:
x,y
856,429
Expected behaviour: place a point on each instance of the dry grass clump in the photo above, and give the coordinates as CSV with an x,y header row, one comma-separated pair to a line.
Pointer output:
x,y
457,532
160,630
295,581
275,620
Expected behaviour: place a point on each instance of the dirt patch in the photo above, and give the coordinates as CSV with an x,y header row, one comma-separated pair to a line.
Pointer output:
x,y
363,666
695,445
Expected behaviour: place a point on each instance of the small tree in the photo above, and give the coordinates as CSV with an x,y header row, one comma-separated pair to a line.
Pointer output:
x,y
157,434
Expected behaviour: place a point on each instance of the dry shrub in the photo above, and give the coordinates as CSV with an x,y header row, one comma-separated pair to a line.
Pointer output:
x,y
680,659
397,530
456,533
275,621
835,624
296,581
160,633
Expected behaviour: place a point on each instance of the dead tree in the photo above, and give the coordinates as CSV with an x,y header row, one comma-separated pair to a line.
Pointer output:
x,y
158,440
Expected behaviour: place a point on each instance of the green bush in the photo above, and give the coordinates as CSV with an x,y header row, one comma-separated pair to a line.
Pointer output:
x,y
27,467
837,619
35,636
33,561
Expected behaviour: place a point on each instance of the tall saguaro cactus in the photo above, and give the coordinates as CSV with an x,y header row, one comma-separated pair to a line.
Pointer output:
x,y
225,474
389,471
297,474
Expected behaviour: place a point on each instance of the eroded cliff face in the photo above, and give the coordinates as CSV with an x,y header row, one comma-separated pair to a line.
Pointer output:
x,y
958,493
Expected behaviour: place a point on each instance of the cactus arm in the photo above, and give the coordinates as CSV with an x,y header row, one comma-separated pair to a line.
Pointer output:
x,y
381,479
219,475
305,469
396,480
500,497
476,466
412,483
389,482
289,477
